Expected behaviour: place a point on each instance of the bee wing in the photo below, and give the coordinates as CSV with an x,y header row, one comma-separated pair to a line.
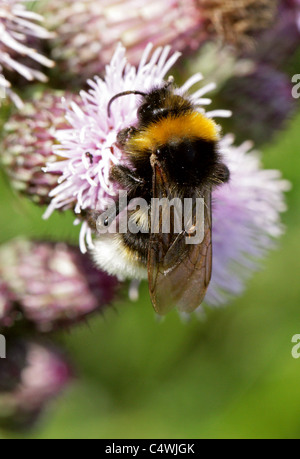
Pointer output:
x,y
178,273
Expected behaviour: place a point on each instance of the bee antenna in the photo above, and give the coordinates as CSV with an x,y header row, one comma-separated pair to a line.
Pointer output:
x,y
121,94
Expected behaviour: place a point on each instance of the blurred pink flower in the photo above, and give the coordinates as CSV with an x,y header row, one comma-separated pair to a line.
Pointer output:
x,y
88,30
18,28
31,376
29,136
246,219
261,98
294,7
276,45
261,101
53,283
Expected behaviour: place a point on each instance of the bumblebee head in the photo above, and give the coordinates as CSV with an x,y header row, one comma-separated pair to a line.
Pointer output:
x,y
157,104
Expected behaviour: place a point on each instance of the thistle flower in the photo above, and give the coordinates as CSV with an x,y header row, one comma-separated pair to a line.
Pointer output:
x,y
18,28
257,113
246,219
278,43
245,212
28,141
53,284
90,146
31,376
88,31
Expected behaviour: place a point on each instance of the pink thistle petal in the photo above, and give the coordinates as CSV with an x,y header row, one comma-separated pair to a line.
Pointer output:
x,y
18,27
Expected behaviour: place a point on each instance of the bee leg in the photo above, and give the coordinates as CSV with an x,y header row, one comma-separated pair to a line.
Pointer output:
x,y
126,178
124,135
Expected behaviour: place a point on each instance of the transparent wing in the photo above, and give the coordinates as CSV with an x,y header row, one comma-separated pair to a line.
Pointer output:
x,y
179,274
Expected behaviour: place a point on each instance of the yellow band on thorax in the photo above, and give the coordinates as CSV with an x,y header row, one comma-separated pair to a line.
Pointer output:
x,y
191,125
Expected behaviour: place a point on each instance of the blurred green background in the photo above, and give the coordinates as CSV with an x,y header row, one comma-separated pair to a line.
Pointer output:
x,y
229,376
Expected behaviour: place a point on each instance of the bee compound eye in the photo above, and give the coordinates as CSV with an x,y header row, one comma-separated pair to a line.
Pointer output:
x,y
141,110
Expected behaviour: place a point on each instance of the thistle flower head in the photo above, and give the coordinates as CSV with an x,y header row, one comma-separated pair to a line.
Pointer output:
x,y
246,219
277,44
294,7
31,376
245,212
53,284
88,31
90,145
28,141
20,27
257,113
261,95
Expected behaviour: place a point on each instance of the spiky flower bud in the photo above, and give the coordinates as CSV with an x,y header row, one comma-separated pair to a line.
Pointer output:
x,y
261,101
53,283
19,28
28,141
88,31
277,44
32,375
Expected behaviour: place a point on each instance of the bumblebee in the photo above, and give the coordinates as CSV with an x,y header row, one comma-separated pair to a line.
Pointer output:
x,y
172,152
